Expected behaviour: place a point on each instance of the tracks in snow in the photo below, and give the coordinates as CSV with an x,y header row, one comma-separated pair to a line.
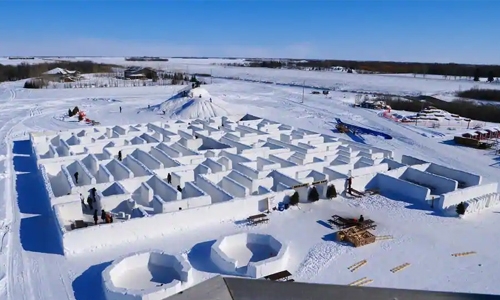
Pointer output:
x,y
318,258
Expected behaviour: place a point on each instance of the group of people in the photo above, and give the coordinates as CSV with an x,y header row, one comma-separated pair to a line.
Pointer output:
x,y
105,217
169,181
91,202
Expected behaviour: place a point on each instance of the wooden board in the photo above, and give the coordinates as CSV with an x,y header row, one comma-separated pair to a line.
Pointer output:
x,y
463,253
400,267
357,265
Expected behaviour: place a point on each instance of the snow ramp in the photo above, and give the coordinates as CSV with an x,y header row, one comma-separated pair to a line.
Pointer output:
x,y
362,130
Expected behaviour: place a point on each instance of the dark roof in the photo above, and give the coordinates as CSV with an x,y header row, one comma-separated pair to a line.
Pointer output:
x,y
228,288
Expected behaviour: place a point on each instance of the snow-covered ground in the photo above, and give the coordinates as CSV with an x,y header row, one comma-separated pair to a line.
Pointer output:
x,y
32,267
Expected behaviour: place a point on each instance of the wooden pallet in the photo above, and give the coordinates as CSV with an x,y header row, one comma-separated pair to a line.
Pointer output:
x,y
361,282
463,253
400,267
383,237
357,265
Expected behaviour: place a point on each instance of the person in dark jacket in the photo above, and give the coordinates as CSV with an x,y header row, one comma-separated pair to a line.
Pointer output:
x,y
119,155
95,217
169,178
179,188
120,109
82,199
76,177
361,219
89,202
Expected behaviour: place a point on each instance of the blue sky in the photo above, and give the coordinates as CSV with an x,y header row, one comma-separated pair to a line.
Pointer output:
x,y
439,30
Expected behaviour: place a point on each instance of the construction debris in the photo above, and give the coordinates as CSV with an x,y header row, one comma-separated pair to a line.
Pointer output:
x,y
400,267
361,282
357,265
357,237
383,237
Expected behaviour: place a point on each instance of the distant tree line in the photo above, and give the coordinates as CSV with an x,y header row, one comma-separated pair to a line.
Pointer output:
x,y
146,58
481,94
386,67
24,70
464,108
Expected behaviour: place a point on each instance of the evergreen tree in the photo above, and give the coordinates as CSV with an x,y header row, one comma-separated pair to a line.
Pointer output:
x,y
460,208
313,194
294,199
477,74
331,192
491,76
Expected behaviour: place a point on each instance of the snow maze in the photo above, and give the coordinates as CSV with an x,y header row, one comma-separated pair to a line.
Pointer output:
x,y
146,275
221,169
251,254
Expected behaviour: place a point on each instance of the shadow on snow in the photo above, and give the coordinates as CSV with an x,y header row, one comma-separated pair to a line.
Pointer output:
x,y
89,284
38,233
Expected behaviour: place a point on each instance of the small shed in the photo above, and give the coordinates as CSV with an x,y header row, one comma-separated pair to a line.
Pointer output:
x,y
483,134
494,132
471,135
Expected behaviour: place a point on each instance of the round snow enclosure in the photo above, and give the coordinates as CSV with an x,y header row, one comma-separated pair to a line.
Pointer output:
x,y
146,275
251,254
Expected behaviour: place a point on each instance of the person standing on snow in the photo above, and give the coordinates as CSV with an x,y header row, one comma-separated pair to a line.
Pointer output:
x,y
89,202
103,215
82,199
169,178
120,109
76,177
95,217
119,155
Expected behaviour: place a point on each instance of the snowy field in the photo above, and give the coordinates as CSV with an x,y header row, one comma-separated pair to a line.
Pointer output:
x,y
31,263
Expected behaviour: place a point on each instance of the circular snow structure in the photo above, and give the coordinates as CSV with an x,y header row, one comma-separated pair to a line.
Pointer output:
x,y
251,254
146,275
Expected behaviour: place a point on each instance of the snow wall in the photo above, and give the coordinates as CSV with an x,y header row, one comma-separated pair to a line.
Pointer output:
x,y
256,269
108,235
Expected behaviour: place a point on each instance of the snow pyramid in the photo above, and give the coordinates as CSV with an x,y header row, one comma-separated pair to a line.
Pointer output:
x,y
193,104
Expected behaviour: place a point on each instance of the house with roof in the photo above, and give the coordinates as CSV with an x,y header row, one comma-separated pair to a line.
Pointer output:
x,y
140,73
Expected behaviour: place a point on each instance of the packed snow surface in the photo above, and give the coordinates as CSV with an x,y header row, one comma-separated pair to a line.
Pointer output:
x,y
33,267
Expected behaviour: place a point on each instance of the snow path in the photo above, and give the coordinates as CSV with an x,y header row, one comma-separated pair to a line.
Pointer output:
x,y
26,271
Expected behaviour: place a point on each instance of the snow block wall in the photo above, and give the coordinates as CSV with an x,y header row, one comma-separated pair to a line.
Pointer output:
x,y
147,159
394,187
156,263
247,172
483,202
137,167
216,193
222,254
118,170
453,198
464,179
437,184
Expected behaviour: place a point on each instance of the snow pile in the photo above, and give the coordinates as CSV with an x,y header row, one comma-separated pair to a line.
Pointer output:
x,y
193,104
59,71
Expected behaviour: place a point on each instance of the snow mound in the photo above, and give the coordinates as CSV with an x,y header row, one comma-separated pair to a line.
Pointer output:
x,y
193,104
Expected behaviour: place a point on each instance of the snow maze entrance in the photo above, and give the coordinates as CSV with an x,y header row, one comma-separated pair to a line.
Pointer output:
x,y
250,254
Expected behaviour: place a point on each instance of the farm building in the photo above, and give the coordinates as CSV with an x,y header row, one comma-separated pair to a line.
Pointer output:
x,y
139,73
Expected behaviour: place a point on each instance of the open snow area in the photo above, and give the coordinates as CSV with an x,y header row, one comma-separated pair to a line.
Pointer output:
x,y
42,259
